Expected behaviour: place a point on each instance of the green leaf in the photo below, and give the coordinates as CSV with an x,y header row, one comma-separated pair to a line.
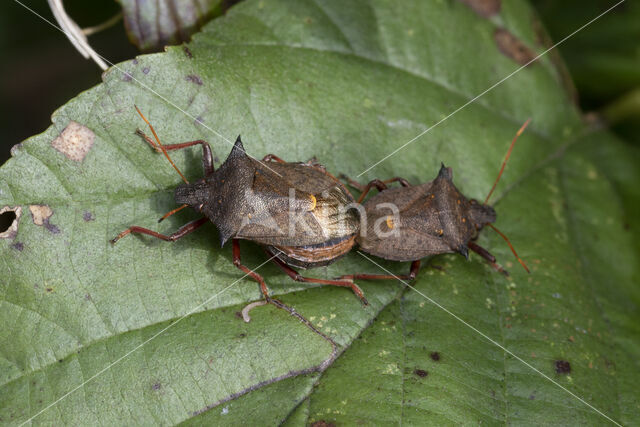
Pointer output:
x,y
348,82
153,24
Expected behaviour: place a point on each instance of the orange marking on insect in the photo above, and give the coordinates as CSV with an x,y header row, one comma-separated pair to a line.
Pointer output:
x,y
390,222
313,202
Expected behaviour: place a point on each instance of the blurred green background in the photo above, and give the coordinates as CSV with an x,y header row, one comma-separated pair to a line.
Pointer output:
x,y
41,70
603,59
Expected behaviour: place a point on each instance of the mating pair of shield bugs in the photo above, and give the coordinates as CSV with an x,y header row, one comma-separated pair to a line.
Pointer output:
x,y
304,217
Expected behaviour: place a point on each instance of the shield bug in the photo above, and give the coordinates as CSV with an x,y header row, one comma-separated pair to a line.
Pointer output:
x,y
296,211
408,223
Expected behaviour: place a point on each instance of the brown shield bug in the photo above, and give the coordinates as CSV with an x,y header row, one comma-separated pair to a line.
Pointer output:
x,y
408,223
296,211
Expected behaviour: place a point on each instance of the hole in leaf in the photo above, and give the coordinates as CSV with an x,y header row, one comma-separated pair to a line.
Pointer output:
x,y
9,218
6,219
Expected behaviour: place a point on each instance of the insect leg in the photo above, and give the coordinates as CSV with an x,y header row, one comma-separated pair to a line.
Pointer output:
x,y
272,158
182,231
337,282
255,276
313,162
352,182
375,183
487,256
415,267
402,181
207,156
355,184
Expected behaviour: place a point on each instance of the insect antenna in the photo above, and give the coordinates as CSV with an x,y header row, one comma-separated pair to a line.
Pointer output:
x,y
510,247
504,163
155,135
168,214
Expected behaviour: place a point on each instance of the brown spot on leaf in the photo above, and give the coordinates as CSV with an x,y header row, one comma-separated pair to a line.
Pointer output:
x,y
126,77
9,219
52,228
187,52
145,70
156,386
484,8
18,246
435,356
87,216
563,367
194,79
512,47
41,215
322,423
75,141
421,373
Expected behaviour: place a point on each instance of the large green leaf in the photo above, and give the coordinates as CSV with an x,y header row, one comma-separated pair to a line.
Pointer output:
x,y
347,82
